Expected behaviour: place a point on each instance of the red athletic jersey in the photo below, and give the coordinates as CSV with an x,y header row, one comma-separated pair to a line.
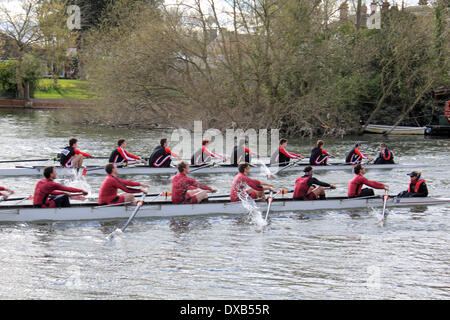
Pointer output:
x,y
109,187
2,189
181,183
46,187
355,185
239,185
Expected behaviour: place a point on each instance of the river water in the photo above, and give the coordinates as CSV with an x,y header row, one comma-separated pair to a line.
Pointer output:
x,y
313,255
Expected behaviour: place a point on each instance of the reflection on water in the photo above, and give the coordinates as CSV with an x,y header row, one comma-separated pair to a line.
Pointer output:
x,y
309,255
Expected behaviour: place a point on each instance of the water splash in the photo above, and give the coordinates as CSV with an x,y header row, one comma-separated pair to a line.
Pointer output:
x,y
254,214
79,181
264,170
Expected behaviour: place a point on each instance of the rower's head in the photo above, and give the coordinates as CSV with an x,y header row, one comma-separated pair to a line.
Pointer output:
x,y
242,142
415,175
283,142
308,171
383,146
183,167
73,142
244,167
205,142
358,145
163,142
111,168
359,169
50,172
320,144
121,143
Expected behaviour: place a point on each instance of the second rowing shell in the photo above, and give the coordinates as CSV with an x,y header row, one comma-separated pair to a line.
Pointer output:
x,y
144,170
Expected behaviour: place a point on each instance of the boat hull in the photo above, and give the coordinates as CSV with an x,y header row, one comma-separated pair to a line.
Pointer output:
x,y
399,130
91,212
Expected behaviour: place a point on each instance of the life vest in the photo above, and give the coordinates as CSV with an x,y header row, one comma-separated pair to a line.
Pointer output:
x,y
159,158
66,154
239,155
415,185
301,187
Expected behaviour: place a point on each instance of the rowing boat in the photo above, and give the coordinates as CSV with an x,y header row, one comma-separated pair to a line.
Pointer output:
x,y
165,209
144,170
398,130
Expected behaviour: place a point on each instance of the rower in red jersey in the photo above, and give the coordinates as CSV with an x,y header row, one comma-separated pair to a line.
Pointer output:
x,y
49,194
355,189
305,188
282,157
161,156
319,157
71,157
5,195
108,190
120,156
187,190
203,155
242,185
355,156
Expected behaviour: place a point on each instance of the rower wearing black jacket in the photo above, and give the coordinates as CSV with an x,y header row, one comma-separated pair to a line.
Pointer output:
x,y
386,156
417,186
161,156
319,157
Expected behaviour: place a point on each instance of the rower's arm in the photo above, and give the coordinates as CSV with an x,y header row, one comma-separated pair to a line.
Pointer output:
x,y
84,154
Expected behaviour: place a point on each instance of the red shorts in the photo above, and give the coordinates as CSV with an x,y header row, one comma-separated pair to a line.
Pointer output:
x,y
309,196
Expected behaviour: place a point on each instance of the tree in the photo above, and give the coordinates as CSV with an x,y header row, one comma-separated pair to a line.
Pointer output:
x,y
56,38
23,28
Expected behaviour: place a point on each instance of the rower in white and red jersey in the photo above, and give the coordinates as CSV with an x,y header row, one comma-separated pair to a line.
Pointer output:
x,y
120,156
185,189
355,155
71,157
282,157
111,184
203,155
5,195
49,194
242,185
161,156
319,157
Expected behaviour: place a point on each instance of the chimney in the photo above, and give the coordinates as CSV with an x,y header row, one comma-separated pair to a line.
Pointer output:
x,y
364,15
373,7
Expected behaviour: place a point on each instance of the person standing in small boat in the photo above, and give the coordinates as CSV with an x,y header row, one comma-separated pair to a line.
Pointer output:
x,y
319,157
120,156
186,190
203,155
4,195
386,156
241,153
282,157
355,155
242,185
355,185
71,157
49,194
161,156
111,184
306,189
417,186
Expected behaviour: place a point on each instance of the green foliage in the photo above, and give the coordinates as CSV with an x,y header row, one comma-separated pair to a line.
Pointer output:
x,y
8,79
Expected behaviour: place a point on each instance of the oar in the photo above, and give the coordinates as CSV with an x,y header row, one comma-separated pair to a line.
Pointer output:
x,y
119,231
385,197
30,160
211,164
16,199
269,202
291,164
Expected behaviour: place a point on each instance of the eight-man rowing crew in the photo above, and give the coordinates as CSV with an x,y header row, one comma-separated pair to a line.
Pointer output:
x,y
185,190
161,157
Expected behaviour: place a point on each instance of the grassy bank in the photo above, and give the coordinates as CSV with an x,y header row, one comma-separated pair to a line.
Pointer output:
x,y
67,89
